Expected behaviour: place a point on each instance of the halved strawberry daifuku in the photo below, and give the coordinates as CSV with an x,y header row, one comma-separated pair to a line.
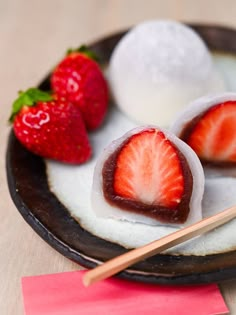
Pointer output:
x,y
148,176
211,128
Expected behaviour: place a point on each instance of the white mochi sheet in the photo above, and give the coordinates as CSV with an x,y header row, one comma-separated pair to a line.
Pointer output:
x,y
72,185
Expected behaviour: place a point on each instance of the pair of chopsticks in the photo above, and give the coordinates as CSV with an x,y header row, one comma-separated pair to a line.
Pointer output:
x,y
120,263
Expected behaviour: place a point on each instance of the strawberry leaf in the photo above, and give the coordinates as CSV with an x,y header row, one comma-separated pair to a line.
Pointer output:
x,y
29,98
84,50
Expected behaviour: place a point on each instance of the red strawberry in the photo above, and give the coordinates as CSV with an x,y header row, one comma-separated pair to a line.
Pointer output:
x,y
148,170
148,174
213,135
79,79
50,127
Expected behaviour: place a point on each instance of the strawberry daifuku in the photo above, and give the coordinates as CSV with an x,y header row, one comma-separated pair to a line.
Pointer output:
x,y
148,176
79,79
157,68
51,127
208,125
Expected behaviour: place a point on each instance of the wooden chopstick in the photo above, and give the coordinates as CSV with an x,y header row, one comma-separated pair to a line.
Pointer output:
x,y
121,262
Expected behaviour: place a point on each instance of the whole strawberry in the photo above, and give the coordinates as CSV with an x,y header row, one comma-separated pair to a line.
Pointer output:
x,y
79,79
50,126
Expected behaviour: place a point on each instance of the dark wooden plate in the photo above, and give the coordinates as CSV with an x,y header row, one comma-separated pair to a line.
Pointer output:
x,y
29,190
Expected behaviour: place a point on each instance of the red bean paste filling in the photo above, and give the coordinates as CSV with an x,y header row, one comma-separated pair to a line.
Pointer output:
x,y
160,213
186,132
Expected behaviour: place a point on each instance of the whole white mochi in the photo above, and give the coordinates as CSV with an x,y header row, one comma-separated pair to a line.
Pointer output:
x,y
157,68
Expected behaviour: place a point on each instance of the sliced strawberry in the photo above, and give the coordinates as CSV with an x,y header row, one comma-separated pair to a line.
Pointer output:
x,y
149,170
149,175
212,136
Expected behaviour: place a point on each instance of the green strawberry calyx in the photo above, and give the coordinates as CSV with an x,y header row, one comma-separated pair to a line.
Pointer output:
x,y
85,51
29,98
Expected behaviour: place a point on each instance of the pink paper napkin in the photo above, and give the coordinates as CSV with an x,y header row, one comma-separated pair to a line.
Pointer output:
x,y
64,294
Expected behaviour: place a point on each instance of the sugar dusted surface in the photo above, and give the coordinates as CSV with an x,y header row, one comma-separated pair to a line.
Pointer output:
x,y
163,64
163,49
72,185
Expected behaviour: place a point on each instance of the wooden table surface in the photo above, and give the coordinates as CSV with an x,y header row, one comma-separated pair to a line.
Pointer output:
x,y
33,36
